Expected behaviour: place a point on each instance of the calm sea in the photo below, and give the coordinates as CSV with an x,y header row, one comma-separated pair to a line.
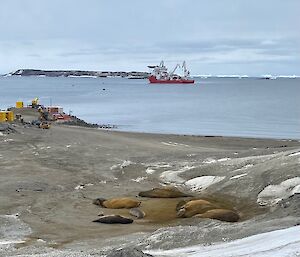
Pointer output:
x,y
246,107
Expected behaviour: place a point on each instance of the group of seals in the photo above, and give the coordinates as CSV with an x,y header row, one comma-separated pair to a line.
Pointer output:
x,y
118,203
204,209
185,209
132,204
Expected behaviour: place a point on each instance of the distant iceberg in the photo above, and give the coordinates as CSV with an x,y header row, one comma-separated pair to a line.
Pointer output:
x,y
269,76
288,76
228,76
203,76
265,76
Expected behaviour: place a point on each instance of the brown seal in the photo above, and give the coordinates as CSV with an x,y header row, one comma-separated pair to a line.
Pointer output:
x,y
181,203
220,214
136,212
194,207
117,203
113,219
165,192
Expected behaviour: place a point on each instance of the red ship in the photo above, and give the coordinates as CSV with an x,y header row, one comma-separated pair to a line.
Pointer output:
x,y
160,75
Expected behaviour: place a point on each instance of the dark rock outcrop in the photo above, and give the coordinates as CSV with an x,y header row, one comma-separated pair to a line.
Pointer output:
x,y
79,73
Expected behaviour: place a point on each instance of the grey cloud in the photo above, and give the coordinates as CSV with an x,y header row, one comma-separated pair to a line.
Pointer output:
x,y
231,44
210,35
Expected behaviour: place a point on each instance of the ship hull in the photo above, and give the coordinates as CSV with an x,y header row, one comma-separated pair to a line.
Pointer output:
x,y
154,80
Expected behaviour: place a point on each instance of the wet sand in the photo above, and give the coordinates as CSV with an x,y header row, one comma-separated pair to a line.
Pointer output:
x,y
50,177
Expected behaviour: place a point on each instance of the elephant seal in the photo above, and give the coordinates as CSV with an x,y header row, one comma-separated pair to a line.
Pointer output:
x,y
194,207
220,214
117,203
113,219
180,204
166,192
136,212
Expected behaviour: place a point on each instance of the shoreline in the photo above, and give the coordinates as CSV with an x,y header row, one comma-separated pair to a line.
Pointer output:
x,y
51,177
202,135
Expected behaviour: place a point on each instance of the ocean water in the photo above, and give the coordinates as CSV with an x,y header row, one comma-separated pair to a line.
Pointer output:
x,y
247,107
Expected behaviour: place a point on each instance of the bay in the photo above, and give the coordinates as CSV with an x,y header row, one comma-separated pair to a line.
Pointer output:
x,y
247,107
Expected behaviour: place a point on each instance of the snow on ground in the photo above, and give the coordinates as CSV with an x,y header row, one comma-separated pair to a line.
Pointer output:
x,y
153,167
294,154
272,194
174,144
157,165
245,167
172,175
278,243
239,176
139,179
123,165
224,159
203,182
209,160
150,171
12,230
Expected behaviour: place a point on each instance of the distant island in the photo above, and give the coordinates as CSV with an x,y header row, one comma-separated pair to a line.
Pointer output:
x,y
79,73
126,74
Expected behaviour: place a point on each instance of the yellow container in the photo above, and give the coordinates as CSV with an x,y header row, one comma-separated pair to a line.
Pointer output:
x,y
19,104
2,116
10,116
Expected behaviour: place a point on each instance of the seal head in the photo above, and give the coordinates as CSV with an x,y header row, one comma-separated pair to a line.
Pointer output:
x,y
99,201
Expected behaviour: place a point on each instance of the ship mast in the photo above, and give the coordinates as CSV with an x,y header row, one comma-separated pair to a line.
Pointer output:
x,y
186,72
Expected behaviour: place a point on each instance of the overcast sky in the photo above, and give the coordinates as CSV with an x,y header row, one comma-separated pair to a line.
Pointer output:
x,y
251,37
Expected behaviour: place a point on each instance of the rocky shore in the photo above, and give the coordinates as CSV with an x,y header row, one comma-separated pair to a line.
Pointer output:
x,y
49,179
78,73
75,121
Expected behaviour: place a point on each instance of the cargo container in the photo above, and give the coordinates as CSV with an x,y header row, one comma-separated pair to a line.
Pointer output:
x,y
10,116
2,116
19,104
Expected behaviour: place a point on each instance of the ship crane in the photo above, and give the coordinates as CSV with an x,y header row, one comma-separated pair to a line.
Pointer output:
x,y
172,72
186,72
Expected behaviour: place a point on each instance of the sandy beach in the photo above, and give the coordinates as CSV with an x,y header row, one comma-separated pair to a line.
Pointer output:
x,y
50,177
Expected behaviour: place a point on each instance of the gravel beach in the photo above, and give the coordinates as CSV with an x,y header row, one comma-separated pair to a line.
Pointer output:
x,y
49,179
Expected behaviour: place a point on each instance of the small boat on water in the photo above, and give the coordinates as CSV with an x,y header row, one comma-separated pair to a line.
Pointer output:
x,y
160,75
